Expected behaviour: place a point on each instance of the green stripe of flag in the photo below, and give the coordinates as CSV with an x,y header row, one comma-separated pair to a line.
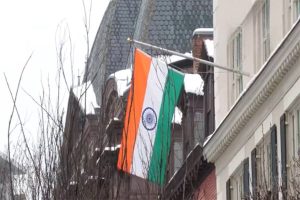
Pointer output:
x,y
161,146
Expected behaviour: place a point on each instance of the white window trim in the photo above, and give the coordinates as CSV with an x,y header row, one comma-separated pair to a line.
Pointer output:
x,y
265,24
263,162
237,183
293,139
296,9
235,60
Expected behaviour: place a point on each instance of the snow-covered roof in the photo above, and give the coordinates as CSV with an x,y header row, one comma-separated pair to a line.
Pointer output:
x,y
177,117
86,97
193,83
209,46
123,79
173,58
207,139
203,31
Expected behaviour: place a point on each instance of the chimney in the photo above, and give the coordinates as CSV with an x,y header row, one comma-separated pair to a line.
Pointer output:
x,y
199,35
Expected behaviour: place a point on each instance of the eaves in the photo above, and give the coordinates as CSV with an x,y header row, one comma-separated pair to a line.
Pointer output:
x,y
260,88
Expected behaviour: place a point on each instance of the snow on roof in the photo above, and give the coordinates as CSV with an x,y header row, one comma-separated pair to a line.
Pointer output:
x,y
193,83
123,79
173,58
177,117
209,46
86,97
203,31
207,139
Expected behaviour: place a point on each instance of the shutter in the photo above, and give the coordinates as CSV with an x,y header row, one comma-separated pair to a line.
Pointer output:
x,y
283,155
246,179
253,173
228,190
274,175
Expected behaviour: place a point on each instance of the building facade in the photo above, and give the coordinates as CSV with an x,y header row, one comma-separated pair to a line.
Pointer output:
x,y
255,146
92,136
195,178
168,24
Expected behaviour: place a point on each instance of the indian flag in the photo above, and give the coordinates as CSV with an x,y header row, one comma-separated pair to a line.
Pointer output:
x,y
146,136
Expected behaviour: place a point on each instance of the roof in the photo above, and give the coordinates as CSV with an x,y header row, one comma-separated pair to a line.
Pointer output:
x,y
203,31
111,50
86,97
122,79
169,24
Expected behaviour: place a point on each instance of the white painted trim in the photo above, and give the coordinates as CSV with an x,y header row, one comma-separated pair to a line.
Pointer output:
x,y
268,78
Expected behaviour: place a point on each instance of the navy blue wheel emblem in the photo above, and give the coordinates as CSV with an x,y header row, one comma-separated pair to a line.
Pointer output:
x,y
149,119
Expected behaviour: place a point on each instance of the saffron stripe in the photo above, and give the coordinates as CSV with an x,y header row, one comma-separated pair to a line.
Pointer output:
x,y
161,147
134,109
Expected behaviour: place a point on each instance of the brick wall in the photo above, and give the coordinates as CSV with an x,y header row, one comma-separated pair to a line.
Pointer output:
x,y
207,189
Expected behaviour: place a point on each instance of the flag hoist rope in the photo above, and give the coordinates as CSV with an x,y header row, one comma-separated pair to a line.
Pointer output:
x,y
188,57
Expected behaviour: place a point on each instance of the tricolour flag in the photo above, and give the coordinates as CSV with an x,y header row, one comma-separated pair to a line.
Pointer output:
x,y
146,137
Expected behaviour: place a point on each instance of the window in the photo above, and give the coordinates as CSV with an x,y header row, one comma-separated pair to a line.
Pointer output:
x,y
266,29
237,187
178,155
235,61
295,120
264,167
293,152
198,127
296,9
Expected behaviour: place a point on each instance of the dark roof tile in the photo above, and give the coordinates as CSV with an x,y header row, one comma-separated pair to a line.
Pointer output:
x,y
166,23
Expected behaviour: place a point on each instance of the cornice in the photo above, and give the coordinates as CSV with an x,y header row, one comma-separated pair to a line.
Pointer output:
x,y
257,93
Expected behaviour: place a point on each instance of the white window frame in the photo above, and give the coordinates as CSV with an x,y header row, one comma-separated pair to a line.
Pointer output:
x,y
236,62
237,183
265,23
296,8
294,129
263,164
293,148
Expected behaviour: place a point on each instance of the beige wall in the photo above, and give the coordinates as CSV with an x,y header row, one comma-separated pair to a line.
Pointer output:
x,y
228,16
282,99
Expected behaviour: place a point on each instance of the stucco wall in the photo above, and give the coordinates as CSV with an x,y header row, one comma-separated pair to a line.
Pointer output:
x,y
280,102
227,19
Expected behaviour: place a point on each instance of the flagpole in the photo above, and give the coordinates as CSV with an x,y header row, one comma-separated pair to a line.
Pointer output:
x,y
188,57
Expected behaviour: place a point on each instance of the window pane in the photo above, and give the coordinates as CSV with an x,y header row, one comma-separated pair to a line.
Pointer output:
x,y
198,128
298,134
297,9
266,29
178,157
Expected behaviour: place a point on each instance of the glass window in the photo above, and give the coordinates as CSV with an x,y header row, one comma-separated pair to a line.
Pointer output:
x,y
236,184
198,127
293,161
266,29
296,9
235,60
178,156
296,133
